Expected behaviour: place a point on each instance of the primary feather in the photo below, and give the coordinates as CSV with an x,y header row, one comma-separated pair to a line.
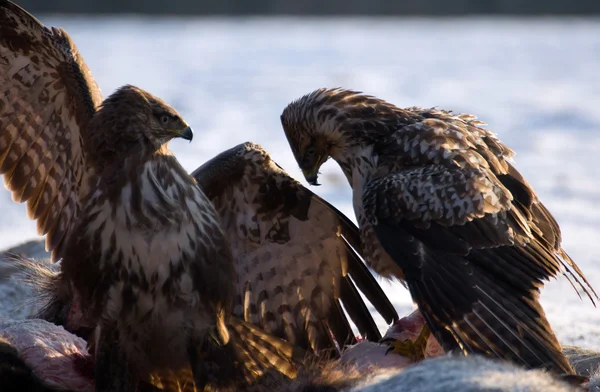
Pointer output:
x,y
140,243
441,207
293,253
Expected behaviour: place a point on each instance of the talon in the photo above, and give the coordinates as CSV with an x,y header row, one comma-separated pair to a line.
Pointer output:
x,y
423,337
415,350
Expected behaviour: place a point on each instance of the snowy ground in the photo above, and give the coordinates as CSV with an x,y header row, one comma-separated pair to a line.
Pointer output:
x,y
535,82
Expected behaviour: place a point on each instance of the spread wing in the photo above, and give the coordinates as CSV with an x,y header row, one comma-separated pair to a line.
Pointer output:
x,y
442,138
47,97
473,259
295,270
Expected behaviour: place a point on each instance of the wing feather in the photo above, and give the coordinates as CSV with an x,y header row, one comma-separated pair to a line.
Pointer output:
x,y
47,97
461,140
358,311
357,269
470,260
291,253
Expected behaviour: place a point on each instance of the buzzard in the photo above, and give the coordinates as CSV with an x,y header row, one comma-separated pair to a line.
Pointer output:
x,y
294,253
295,256
441,207
139,241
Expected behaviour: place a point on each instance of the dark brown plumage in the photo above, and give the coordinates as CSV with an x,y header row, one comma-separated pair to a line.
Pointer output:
x,y
294,259
440,205
140,244
293,251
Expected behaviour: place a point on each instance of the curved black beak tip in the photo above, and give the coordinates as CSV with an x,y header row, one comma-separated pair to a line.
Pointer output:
x,y
313,180
187,134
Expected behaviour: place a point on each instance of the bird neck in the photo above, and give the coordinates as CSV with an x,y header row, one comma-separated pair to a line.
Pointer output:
x,y
158,177
163,151
358,163
166,170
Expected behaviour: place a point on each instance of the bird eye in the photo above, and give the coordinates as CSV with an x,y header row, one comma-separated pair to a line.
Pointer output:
x,y
310,151
164,118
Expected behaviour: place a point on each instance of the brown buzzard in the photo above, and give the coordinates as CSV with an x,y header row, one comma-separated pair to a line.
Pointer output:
x,y
293,253
139,241
441,207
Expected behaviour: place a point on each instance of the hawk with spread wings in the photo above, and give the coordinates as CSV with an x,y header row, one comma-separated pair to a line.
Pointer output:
x,y
297,268
441,207
295,254
139,241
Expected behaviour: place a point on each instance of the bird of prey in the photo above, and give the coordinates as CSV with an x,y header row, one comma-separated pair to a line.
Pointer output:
x,y
441,207
293,253
139,241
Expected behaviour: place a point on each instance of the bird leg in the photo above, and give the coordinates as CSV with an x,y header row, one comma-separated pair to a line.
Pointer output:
x,y
415,350
201,369
212,363
113,370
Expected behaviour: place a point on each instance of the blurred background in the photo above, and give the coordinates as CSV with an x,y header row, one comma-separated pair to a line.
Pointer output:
x,y
319,7
529,69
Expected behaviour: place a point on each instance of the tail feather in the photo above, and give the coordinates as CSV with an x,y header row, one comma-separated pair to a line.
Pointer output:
x,y
250,359
261,352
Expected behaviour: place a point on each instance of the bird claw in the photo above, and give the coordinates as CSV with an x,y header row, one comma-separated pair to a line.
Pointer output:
x,y
406,348
414,350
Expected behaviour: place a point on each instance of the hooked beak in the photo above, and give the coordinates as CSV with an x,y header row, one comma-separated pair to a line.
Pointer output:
x,y
311,176
186,133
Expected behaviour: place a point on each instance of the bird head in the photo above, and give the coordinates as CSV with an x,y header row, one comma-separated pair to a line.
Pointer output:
x,y
335,123
132,118
311,136
163,123
310,153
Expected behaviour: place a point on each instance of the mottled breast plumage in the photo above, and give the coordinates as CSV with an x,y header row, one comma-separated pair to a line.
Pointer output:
x,y
440,205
